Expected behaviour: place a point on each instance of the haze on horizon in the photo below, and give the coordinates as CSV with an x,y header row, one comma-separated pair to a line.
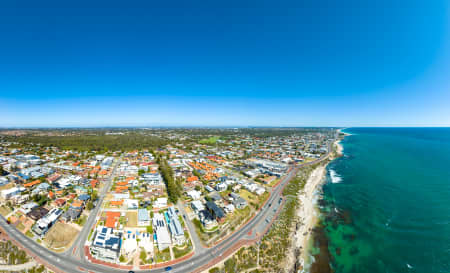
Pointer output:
x,y
205,63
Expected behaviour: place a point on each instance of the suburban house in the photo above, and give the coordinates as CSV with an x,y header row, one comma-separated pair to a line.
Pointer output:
x,y
197,206
160,202
207,219
45,223
143,218
37,213
71,214
221,187
129,243
6,194
112,218
238,201
175,227
195,195
215,211
106,244
162,237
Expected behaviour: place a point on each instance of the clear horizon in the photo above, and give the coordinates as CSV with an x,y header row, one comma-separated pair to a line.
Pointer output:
x,y
196,64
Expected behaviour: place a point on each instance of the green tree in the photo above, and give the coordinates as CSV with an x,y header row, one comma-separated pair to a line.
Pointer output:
x,y
143,256
150,229
174,188
94,195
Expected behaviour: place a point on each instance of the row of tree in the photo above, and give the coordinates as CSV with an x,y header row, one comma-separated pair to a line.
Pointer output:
x,y
174,186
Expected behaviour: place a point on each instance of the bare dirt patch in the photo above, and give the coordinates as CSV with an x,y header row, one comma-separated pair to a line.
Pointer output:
x,y
60,237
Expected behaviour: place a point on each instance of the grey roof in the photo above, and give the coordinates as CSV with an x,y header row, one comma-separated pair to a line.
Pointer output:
x,y
143,215
216,210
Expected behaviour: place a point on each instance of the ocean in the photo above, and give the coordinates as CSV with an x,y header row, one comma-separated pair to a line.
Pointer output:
x,y
386,202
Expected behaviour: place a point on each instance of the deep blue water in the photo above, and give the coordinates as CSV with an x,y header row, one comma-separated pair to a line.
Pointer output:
x,y
392,201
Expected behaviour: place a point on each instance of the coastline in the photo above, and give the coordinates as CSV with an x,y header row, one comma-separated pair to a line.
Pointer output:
x,y
299,257
308,214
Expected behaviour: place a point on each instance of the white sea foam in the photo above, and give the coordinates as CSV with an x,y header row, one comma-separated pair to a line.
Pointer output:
x,y
335,178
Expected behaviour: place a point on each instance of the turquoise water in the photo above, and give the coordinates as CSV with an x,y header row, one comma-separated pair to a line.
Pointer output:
x,y
390,211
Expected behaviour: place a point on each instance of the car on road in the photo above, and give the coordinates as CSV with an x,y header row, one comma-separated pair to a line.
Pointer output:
x,y
168,268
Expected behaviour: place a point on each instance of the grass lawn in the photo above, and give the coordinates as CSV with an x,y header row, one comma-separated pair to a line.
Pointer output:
x,y
4,210
183,250
309,159
90,234
29,234
271,184
60,237
162,256
82,220
247,195
263,198
131,219
20,227
210,141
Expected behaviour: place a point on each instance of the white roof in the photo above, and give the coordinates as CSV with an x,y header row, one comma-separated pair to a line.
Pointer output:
x,y
197,205
130,242
194,194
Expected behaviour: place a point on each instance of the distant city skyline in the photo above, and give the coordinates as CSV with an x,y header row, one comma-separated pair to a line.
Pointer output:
x,y
258,63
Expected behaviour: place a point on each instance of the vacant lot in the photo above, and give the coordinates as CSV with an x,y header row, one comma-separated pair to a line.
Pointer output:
x,y
60,237
7,186
4,210
131,219
247,195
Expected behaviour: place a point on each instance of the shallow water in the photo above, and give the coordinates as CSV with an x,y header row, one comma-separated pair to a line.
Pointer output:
x,y
388,209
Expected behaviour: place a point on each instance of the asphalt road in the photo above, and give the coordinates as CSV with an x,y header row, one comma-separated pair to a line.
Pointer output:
x,y
68,263
77,248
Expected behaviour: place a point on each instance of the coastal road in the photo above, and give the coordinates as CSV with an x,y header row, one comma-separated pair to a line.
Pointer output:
x,y
69,264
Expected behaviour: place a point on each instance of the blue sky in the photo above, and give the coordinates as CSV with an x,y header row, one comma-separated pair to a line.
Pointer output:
x,y
225,63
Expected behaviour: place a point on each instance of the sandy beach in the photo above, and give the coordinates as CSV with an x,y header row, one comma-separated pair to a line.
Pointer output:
x,y
307,213
339,148
337,143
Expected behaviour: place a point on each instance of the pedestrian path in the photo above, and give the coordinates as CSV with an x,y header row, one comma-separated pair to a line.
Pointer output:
x,y
17,267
